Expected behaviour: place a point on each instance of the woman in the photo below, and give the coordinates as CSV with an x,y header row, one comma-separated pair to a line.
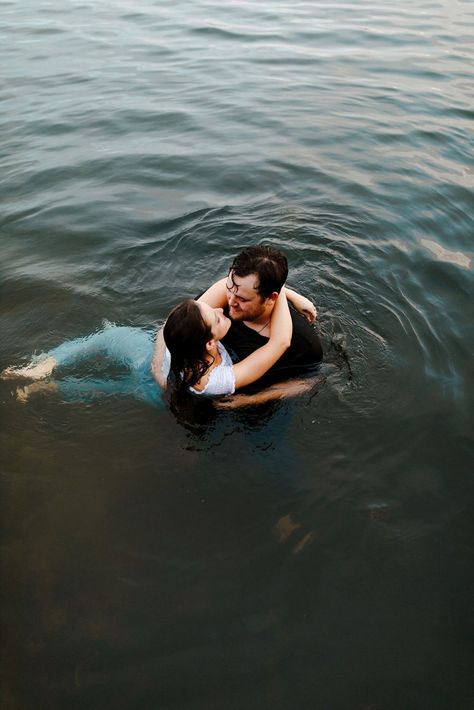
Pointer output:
x,y
197,360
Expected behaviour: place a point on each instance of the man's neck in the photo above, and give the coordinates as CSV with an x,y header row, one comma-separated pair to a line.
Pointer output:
x,y
262,323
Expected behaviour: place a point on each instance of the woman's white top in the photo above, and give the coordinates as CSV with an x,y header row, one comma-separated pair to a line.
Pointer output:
x,y
221,378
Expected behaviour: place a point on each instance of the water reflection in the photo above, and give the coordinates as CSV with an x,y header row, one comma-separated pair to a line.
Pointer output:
x,y
448,255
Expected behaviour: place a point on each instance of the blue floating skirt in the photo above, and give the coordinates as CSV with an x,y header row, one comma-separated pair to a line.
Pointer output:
x,y
124,346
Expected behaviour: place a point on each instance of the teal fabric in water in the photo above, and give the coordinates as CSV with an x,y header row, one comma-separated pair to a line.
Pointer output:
x,y
131,348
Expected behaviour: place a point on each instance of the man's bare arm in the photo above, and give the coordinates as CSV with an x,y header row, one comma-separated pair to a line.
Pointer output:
x,y
280,390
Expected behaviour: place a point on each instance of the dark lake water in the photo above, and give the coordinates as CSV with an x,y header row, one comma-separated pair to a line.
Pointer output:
x,y
314,554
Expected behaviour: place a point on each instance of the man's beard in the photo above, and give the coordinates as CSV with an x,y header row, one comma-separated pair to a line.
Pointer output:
x,y
240,316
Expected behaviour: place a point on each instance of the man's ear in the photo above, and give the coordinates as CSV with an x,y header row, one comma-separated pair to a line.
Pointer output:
x,y
273,296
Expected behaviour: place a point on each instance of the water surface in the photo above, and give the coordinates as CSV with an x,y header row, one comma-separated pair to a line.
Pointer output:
x,y
312,554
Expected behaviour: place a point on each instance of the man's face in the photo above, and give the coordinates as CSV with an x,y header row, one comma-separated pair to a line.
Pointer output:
x,y
243,298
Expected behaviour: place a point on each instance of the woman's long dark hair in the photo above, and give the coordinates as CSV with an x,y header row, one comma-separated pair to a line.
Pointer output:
x,y
186,335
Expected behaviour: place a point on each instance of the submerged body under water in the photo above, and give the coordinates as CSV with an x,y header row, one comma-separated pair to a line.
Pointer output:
x,y
124,347
129,350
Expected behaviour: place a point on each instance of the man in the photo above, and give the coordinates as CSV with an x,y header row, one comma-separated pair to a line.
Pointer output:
x,y
249,294
255,279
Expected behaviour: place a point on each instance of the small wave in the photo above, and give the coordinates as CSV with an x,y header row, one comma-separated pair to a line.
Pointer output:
x,y
442,254
246,34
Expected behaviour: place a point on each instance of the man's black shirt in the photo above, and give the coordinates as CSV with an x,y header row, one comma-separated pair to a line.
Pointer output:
x,y
303,355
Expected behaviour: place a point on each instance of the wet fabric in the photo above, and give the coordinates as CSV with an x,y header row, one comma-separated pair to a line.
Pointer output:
x,y
132,349
303,355
123,346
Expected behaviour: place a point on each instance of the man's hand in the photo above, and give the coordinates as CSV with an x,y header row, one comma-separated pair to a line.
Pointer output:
x,y
280,390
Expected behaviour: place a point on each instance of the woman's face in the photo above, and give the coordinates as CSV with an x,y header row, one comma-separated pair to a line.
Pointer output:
x,y
215,319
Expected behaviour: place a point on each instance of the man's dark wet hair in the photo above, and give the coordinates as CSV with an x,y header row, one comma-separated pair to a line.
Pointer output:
x,y
269,264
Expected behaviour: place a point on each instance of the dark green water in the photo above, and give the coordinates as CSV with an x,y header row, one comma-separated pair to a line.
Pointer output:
x,y
311,555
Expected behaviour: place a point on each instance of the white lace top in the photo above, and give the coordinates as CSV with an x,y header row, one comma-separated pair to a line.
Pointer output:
x,y
221,379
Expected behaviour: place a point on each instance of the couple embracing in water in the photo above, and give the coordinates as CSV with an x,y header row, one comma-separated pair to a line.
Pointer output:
x,y
240,331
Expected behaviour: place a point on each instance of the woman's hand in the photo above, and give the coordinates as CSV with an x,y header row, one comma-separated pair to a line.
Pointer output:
x,y
307,309
302,304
